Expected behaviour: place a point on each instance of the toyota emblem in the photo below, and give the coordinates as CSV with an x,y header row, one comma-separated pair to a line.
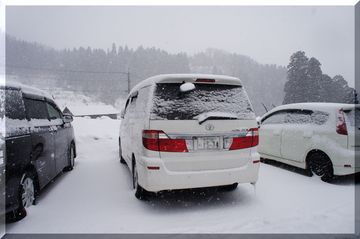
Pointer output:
x,y
209,127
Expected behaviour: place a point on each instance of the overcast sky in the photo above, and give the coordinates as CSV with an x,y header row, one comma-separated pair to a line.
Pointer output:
x,y
267,34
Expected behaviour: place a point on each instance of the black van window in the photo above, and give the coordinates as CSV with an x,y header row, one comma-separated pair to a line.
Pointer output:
x,y
14,106
53,112
36,109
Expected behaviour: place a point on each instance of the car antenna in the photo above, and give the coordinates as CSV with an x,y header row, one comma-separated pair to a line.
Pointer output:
x,y
264,107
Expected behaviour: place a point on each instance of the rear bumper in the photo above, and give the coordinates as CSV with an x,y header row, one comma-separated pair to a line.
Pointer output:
x,y
341,170
350,158
163,179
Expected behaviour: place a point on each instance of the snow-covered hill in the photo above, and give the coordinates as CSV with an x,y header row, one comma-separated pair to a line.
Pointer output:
x,y
80,104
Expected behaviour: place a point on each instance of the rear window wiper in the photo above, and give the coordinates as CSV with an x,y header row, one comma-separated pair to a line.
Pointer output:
x,y
213,115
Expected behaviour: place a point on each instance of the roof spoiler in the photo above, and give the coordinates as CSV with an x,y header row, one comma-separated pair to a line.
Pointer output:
x,y
351,107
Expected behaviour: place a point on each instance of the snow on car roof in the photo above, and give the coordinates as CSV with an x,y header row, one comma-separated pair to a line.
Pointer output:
x,y
28,89
312,106
168,78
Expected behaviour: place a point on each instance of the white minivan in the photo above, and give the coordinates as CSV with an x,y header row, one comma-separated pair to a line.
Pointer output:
x,y
320,137
182,131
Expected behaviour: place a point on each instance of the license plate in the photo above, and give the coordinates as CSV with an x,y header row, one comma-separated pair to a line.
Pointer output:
x,y
208,143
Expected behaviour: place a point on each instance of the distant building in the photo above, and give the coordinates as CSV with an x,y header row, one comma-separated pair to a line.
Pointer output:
x,y
67,111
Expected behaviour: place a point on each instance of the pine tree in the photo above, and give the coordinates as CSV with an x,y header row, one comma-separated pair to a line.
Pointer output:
x,y
326,88
295,91
307,83
313,81
345,94
113,50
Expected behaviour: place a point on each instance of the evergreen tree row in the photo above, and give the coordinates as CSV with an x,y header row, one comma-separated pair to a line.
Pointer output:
x,y
102,74
96,72
307,83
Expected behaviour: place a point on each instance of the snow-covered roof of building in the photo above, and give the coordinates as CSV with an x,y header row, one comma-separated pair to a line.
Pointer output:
x,y
168,78
80,110
312,106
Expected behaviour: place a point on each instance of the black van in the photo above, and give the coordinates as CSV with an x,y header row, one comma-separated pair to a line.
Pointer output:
x,y
39,144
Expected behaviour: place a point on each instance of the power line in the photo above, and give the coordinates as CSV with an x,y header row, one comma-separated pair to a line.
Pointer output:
x,y
67,71
126,73
77,90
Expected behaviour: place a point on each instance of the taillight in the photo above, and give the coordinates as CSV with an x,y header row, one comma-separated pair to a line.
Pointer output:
x,y
255,136
341,124
157,140
251,139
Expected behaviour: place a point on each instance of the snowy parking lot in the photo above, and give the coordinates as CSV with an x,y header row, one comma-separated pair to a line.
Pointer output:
x,y
97,197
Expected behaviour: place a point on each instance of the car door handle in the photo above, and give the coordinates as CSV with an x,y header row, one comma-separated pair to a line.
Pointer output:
x,y
276,133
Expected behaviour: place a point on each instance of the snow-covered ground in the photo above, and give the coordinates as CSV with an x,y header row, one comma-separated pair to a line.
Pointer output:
x,y
96,197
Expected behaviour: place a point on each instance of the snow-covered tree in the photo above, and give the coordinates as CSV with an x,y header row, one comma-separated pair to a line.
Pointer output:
x,y
313,80
296,87
307,83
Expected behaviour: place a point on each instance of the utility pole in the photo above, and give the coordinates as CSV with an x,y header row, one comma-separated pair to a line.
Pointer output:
x,y
128,80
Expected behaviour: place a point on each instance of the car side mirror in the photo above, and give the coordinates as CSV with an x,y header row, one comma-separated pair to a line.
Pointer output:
x,y
68,118
122,113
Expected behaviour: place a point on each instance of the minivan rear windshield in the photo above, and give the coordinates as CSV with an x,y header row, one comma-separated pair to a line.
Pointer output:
x,y
171,104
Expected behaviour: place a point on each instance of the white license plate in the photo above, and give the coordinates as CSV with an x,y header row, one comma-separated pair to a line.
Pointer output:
x,y
208,143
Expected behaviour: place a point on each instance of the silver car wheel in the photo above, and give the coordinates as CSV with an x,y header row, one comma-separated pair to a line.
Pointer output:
x,y
72,157
28,192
